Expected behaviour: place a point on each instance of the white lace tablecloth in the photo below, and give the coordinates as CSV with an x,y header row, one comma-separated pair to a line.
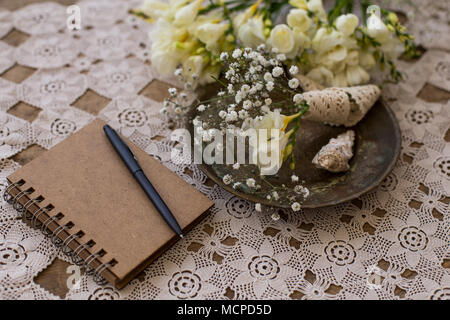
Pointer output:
x,y
379,247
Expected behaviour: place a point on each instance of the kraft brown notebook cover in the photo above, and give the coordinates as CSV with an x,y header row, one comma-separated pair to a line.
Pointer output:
x,y
89,186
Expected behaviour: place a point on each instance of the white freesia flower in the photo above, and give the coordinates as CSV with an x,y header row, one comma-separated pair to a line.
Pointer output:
x,y
347,24
282,38
325,40
321,75
154,8
187,14
377,29
316,7
251,33
298,18
269,147
168,47
357,75
209,33
193,66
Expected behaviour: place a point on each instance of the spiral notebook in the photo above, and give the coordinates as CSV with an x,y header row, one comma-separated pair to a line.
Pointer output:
x,y
82,196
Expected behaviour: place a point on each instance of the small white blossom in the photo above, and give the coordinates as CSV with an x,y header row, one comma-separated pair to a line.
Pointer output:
x,y
247,104
201,108
293,70
222,114
221,93
277,71
298,98
259,86
236,185
268,101
237,53
301,190
251,182
258,207
268,77
173,92
178,72
294,178
224,56
243,114
275,50
236,166
227,179
230,89
281,56
270,86
296,206
231,116
293,83
275,195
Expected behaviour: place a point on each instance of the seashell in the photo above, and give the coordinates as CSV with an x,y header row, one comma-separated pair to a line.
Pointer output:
x,y
340,106
335,155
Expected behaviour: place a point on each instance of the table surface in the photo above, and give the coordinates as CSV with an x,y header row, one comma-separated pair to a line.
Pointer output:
x,y
54,277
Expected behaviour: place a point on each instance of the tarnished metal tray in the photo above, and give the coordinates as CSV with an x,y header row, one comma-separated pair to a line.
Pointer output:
x,y
376,149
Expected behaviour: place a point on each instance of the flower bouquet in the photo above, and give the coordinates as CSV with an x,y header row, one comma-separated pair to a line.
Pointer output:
x,y
293,92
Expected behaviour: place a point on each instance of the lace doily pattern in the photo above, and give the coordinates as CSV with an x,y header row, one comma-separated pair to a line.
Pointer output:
x,y
7,58
40,18
56,123
119,78
392,243
10,94
53,86
111,42
6,24
15,135
47,51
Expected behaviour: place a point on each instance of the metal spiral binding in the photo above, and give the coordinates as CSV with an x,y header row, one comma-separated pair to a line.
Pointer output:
x,y
25,212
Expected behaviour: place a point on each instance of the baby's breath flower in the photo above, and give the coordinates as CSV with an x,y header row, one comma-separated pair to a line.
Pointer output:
x,y
201,108
227,179
222,114
251,182
258,207
293,70
270,86
224,56
172,92
237,53
296,206
275,195
281,56
178,72
236,185
243,114
268,101
298,98
236,166
294,178
231,116
247,104
293,83
268,77
277,71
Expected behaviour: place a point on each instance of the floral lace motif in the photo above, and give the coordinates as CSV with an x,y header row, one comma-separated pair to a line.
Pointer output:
x,y
388,244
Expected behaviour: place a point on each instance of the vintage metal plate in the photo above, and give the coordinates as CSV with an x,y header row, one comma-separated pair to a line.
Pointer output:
x,y
376,149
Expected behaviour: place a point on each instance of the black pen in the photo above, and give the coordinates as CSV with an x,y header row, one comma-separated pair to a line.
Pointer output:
x,y
131,162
